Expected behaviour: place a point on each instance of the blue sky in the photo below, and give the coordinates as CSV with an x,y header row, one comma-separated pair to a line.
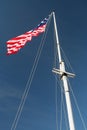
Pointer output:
x,y
19,16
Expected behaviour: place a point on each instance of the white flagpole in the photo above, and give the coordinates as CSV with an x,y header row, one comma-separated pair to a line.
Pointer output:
x,y
62,72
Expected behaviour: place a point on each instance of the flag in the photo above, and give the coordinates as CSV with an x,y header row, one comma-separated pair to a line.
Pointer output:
x,y
16,43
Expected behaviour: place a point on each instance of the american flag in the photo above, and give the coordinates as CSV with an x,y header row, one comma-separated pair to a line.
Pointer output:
x,y
16,43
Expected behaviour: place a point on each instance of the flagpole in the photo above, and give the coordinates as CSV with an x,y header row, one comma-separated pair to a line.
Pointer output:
x,y
64,75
